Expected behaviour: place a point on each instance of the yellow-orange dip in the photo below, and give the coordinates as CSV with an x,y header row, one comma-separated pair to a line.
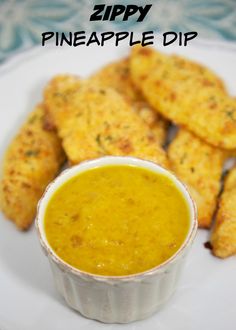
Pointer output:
x,y
116,220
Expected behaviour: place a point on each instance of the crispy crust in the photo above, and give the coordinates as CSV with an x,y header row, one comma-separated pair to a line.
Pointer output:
x,y
186,93
93,121
223,237
199,165
58,91
31,161
117,75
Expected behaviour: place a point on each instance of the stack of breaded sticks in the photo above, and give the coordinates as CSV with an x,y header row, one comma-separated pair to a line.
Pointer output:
x,y
126,108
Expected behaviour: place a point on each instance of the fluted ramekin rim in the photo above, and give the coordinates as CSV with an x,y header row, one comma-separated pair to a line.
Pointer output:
x,y
114,160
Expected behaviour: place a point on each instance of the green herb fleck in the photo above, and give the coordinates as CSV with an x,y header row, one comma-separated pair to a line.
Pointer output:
x,y
108,138
230,114
31,153
98,139
99,142
182,159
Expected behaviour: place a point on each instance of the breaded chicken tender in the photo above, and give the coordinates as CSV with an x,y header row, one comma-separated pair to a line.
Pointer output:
x,y
94,121
144,60
117,75
223,237
187,94
199,166
64,87
31,161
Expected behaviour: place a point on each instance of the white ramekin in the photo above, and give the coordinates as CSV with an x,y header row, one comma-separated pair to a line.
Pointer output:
x,y
119,299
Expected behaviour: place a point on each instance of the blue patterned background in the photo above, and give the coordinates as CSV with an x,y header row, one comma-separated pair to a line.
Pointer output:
x,y
23,21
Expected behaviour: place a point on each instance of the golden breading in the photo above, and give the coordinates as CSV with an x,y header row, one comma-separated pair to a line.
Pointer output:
x,y
66,85
199,165
206,76
189,95
144,60
31,161
223,237
96,121
117,75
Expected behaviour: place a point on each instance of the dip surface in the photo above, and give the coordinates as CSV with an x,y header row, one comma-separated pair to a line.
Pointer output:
x,y
116,220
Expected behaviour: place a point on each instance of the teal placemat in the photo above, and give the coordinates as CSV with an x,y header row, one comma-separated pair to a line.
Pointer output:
x,y
23,21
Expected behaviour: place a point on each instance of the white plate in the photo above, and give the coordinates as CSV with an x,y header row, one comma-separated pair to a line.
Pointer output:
x,y
206,295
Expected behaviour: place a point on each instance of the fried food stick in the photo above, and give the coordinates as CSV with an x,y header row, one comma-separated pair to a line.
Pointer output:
x,y
223,237
31,161
59,91
144,60
93,121
199,166
188,94
117,75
